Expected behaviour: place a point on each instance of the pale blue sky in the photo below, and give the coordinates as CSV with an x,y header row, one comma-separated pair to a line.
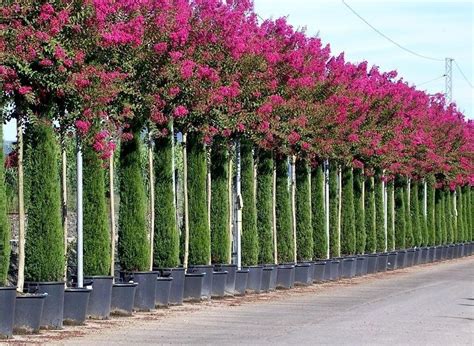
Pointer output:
x,y
434,28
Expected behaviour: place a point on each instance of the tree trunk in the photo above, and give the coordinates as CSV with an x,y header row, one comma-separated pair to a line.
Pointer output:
x,y
112,215
64,203
186,207
293,206
21,209
151,176
274,220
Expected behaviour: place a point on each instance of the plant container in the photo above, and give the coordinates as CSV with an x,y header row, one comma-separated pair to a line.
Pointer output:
x,y
372,260
53,307
410,257
417,257
28,311
347,271
361,262
382,262
401,259
254,281
354,265
303,274
193,283
334,270
219,279
100,296
392,260
177,286
285,276
231,270
7,311
319,269
162,291
123,298
266,279
438,253
273,277
146,290
241,278
444,252
207,279
75,306
462,250
327,270
424,254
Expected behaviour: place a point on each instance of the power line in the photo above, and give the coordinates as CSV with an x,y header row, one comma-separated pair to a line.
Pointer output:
x,y
388,38
431,80
463,75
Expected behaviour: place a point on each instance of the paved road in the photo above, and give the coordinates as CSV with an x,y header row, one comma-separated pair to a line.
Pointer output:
x,y
430,305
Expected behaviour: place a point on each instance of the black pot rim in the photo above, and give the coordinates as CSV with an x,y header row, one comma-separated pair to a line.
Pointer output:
x,y
125,284
268,269
99,277
286,266
78,290
164,278
44,283
254,267
320,263
224,272
149,272
32,296
7,288
303,265
242,271
201,266
224,265
195,274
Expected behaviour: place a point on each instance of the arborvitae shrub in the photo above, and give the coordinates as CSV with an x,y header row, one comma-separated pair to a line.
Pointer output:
x,y
249,213
199,237
4,224
348,236
359,210
283,212
133,245
438,217
370,220
430,220
408,219
265,206
390,216
334,236
415,214
304,231
470,216
44,248
466,210
450,217
220,208
421,209
96,227
379,212
443,217
318,218
166,237
400,213
458,218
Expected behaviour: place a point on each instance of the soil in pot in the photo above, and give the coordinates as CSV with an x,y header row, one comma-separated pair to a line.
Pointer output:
x,y
219,279
123,298
241,278
193,283
207,279
303,275
52,316
254,281
162,291
75,306
7,311
285,276
28,311
231,270
100,296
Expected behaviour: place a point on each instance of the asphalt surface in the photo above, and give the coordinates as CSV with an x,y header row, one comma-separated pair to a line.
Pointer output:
x,y
427,305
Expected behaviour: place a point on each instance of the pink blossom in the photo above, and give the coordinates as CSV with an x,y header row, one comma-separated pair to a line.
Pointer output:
x,y
294,137
23,90
180,112
46,63
160,47
83,126
357,164
353,138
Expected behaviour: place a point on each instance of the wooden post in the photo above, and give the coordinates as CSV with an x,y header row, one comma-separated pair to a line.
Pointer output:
x,y
326,200
293,205
186,208
64,203
231,206
339,212
21,209
209,196
275,244
152,199
112,215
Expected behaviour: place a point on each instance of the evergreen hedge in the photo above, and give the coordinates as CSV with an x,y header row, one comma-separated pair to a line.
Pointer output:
x,y
199,237
359,210
283,212
220,208
459,220
133,244
415,214
265,206
379,212
466,209
421,209
348,231
334,236
390,216
450,217
431,217
304,230
370,218
44,247
470,213
318,220
444,233
409,242
400,213
438,238
166,236
96,226
4,223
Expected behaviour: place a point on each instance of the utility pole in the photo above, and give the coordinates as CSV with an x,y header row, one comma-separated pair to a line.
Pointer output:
x,y
449,79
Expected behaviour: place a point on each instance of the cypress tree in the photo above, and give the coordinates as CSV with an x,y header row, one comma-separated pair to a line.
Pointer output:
x,y
359,211
334,236
370,220
348,233
133,244
199,237
467,228
470,213
283,212
438,217
44,247
443,217
304,230
409,241
96,228
265,206
250,248
423,219
415,214
379,212
450,217
220,209
400,213
166,237
317,213
4,224
390,216
430,222
459,220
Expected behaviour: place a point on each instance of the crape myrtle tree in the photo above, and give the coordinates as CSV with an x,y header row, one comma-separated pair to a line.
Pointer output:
x,y
348,230
304,230
318,217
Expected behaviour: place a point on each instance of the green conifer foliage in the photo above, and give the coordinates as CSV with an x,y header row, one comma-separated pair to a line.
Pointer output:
x,y
265,206
283,212
431,217
400,213
304,230
415,215
409,241
379,212
4,224
348,231
318,222
359,210
370,219
390,215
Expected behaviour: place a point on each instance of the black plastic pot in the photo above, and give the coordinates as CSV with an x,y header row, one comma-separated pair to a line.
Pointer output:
x,y
347,264
231,270
401,259
7,311
145,291
382,262
273,276
417,258
207,279
193,283
177,286
431,253
439,253
254,281
75,306
241,278
28,311
266,279
372,263
100,297
219,279
410,257
424,255
461,250
162,291
303,275
52,316
334,270
285,276
354,266
319,269
123,298
444,252
361,261
392,260
327,270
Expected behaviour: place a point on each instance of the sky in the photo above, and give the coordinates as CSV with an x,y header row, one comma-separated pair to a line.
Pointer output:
x,y
437,29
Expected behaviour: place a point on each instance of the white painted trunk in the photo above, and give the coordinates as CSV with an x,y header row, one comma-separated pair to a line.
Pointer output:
x,y
239,205
64,205
293,206
21,210
186,207
152,201
326,196
112,215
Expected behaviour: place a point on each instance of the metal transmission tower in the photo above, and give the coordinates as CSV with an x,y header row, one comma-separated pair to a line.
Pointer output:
x,y
449,79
